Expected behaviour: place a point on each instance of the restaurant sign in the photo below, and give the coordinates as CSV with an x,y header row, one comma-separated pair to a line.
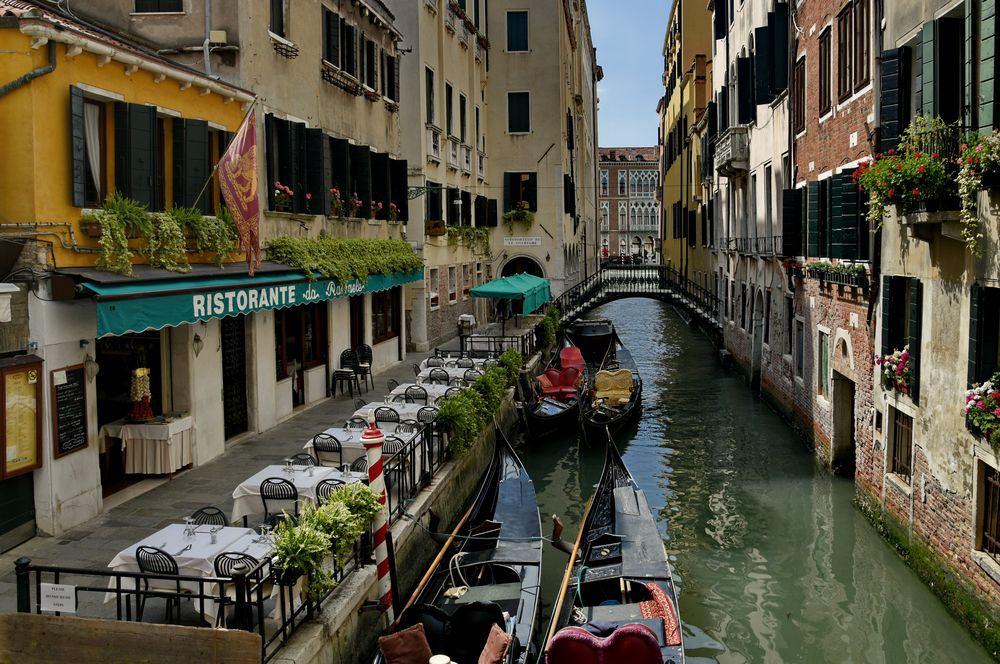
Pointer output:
x,y
522,241
127,308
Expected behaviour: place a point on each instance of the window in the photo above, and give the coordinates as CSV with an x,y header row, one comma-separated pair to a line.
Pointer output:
x,y
479,274
348,49
390,77
824,73
449,114
429,96
823,377
862,43
433,202
277,25
844,34
433,284
331,37
517,32
466,280
304,324
743,306
158,6
385,315
478,146
800,347
520,190
901,444
371,64
901,321
463,124
518,113
96,148
622,184
989,512
984,333
452,284
799,96
768,202
604,183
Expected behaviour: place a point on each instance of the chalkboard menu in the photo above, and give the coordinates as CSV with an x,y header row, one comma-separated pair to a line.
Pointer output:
x,y
69,410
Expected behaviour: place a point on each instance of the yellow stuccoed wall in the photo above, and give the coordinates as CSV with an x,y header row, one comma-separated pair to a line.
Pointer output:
x,y
35,142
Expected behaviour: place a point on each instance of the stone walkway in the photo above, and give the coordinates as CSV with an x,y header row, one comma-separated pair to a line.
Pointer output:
x,y
94,544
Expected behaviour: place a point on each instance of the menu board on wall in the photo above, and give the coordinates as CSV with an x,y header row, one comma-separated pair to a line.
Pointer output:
x,y
69,410
22,435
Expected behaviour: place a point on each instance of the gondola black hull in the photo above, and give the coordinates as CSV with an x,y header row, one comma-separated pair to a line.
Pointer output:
x,y
543,422
593,337
597,425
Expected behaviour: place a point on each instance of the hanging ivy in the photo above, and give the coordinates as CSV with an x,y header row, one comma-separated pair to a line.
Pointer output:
x,y
475,238
211,235
165,244
343,259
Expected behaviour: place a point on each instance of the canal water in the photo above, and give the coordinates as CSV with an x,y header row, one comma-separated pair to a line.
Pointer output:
x,y
773,562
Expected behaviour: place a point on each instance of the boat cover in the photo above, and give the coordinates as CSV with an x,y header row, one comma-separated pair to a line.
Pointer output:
x,y
614,387
632,643
570,356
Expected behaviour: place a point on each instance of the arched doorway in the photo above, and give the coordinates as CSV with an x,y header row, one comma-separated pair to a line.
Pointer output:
x,y
520,264
758,341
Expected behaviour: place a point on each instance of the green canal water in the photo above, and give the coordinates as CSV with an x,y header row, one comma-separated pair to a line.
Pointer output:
x,y
773,562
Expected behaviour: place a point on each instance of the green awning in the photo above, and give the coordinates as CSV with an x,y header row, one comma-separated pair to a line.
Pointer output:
x,y
531,290
127,306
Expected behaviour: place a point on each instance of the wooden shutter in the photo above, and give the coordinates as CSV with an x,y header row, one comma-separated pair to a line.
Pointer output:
x,y
136,152
395,78
491,213
78,148
529,190
569,195
744,91
779,44
987,65
191,163
361,178
481,211
723,109
570,141
508,191
970,29
886,314
340,157
835,219
791,222
433,194
466,198
846,218
380,183
927,69
331,37
894,102
292,160
813,218
450,213
916,317
399,187
763,54
317,175
975,332
720,25
270,153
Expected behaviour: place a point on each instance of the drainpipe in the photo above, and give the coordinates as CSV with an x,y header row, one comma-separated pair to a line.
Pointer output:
x,y
33,74
208,34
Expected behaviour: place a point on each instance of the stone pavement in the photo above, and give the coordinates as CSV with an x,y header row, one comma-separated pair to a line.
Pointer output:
x,y
94,544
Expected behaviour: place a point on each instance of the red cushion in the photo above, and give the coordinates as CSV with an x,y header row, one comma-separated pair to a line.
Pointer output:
x,y
544,381
568,376
553,375
496,646
632,643
553,391
567,392
408,646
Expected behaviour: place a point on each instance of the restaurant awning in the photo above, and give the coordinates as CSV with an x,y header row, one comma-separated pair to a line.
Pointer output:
x,y
531,290
152,302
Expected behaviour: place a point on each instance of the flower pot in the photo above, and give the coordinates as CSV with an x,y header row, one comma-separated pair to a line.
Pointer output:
x,y
436,228
945,203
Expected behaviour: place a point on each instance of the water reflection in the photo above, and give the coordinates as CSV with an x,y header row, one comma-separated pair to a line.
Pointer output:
x,y
774,563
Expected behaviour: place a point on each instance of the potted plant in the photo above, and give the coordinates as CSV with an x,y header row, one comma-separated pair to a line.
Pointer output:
x,y
354,206
283,196
896,370
336,203
982,410
520,214
979,168
300,549
119,219
212,235
166,246
393,212
376,209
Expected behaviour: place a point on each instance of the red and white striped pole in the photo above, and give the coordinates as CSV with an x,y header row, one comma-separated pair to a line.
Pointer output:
x,y
373,439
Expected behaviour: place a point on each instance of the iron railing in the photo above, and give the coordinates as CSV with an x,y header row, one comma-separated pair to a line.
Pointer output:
x,y
764,245
490,345
854,279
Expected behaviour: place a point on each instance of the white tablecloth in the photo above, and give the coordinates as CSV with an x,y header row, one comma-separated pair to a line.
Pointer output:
x,y
407,411
199,560
156,448
246,497
434,392
478,363
425,375
350,440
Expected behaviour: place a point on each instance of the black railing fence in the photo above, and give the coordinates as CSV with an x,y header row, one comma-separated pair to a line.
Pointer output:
x,y
762,245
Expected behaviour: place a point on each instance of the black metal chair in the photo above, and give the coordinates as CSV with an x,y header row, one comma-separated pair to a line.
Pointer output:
x,y
452,391
407,426
386,414
465,363
356,423
489,364
457,382
226,564
326,447
416,369
325,488
364,367
427,414
400,398
472,374
278,490
417,394
451,364
152,560
392,445
392,384
360,403
435,362
303,459
347,373
438,376
209,516
360,465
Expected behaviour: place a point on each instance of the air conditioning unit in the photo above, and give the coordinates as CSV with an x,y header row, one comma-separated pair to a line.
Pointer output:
x,y
218,37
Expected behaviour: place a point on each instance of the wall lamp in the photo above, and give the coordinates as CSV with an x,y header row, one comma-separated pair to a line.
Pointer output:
x,y
90,368
198,344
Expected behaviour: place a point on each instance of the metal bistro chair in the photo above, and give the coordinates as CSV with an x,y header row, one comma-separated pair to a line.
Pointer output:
x,y
407,426
152,560
225,566
427,414
356,423
392,384
364,368
325,488
472,374
360,465
278,490
209,516
435,362
359,403
416,369
452,391
392,445
326,446
303,459
438,376
417,393
489,364
465,363
346,374
386,414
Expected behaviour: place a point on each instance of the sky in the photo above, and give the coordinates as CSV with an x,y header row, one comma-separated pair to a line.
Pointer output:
x,y
628,35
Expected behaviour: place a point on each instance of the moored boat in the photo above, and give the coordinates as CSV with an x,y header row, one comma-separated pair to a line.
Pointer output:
x,y
613,398
593,336
555,398
487,573
617,601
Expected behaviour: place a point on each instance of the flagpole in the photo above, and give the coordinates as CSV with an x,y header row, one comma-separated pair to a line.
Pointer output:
x,y
211,176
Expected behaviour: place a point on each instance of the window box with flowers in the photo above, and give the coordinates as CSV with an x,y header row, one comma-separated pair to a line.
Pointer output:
x,y
979,168
519,215
337,205
283,196
982,411
896,370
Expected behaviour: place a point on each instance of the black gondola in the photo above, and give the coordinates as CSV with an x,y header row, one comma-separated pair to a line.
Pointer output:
x,y
554,403
618,578
487,572
593,336
613,397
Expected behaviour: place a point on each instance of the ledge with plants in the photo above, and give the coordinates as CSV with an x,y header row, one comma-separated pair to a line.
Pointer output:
x,y
344,259
519,215
896,370
475,238
979,168
466,415
982,411
849,275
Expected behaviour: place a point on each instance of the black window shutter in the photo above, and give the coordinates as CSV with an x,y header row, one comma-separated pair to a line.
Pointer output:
x,y
779,44
813,218
744,91
570,141
191,163
569,195
433,194
851,217
317,171
719,24
833,229
508,191
762,64
916,316
278,17
481,210
78,147
399,187
395,78
989,305
530,191
886,315
340,156
331,37
136,153
975,333
286,154
692,232
491,213
466,208
270,153
450,213
380,183
361,178
723,109
894,102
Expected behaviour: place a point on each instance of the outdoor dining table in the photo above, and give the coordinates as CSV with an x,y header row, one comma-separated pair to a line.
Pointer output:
x,y
350,441
195,556
155,448
446,360
407,411
434,392
246,496
424,377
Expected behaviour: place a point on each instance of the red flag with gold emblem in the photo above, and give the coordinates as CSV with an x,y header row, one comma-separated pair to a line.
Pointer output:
x,y
238,181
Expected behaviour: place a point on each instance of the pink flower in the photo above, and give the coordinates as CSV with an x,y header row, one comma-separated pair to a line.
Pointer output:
x,y
878,361
309,197
965,146
996,413
981,405
979,148
905,356
899,370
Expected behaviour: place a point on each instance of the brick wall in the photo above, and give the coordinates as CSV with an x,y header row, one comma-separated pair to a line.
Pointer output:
x,y
442,323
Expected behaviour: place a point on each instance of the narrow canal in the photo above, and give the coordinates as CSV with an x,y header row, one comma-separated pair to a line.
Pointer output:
x,y
774,563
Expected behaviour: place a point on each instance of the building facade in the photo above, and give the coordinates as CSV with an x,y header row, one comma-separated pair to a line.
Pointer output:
x,y
629,211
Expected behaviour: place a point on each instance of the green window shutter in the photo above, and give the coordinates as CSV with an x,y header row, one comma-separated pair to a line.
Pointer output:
x,y
270,152
886,314
779,43
791,222
191,163
989,305
508,191
850,218
763,54
916,317
480,207
491,213
316,172
361,177
744,91
78,147
530,191
340,158
331,37
136,153
380,183
987,64
975,333
399,187
928,104
971,111
835,218
894,102
813,218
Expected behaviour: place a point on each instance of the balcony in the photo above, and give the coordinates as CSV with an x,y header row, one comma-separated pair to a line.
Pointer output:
x,y
479,52
453,152
433,144
449,21
432,5
467,159
732,151
764,245
605,227
464,36
481,168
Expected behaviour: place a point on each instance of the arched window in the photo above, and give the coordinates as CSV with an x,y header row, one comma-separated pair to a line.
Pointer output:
x,y
604,183
621,183
622,212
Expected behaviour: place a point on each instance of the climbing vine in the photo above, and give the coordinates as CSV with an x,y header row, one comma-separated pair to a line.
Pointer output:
x,y
475,238
343,259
